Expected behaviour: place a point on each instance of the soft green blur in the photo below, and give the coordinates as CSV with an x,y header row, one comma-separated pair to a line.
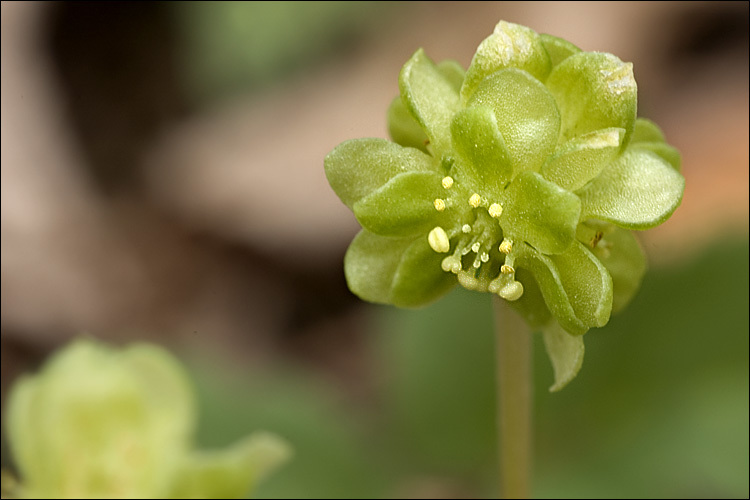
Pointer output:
x,y
233,46
99,422
660,408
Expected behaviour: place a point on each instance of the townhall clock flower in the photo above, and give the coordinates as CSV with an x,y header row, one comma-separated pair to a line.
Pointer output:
x,y
521,176
98,422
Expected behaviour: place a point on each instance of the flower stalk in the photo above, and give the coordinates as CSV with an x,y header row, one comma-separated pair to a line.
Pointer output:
x,y
514,344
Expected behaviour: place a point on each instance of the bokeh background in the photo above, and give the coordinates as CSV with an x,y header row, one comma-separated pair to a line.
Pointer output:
x,y
162,180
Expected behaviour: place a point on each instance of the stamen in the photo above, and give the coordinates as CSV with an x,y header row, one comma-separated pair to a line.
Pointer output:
x,y
506,269
506,246
475,247
447,182
466,229
485,257
438,240
451,264
512,291
495,210
475,200
468,281
439,204
596,239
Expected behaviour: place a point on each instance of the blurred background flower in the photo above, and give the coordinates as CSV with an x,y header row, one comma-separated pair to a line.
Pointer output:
x,y
162,180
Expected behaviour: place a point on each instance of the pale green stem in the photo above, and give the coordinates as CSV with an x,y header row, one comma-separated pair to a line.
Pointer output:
x,y
514,343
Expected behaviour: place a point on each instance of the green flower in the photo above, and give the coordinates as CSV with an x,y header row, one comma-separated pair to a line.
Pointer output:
x,y
520,177
102,423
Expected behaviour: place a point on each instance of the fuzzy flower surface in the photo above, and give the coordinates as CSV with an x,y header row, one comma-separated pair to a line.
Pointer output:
x,y
99,422
521,176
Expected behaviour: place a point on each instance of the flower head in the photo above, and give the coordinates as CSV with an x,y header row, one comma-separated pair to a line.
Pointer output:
x,y
105,423
520,176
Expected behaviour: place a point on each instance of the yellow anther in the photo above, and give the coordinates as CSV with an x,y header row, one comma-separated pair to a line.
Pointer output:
x,y
485,257
468,281
596,239
466,228
439,204
495,210
512,291
438,240
506,246
447,182
475,247
451,264
506,269
475,200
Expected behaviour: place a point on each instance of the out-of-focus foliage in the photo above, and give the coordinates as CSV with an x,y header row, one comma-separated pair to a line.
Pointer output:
x,y
236,45
661,410
104,423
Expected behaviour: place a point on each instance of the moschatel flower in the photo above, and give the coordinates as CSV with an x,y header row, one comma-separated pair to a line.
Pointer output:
x,y
521,176
104,423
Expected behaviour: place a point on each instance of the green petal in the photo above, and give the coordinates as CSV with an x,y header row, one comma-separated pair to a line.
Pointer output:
x,y
370,264
619,251
646,131
575,286
541,213
230,473
594,91
404,272
429,97
404,206
403,128
478,141
419,278
71,423
550,283
663,150
582,158
526,115
557,48
587,284
509,46
637,191
566,353
358,167
453,72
